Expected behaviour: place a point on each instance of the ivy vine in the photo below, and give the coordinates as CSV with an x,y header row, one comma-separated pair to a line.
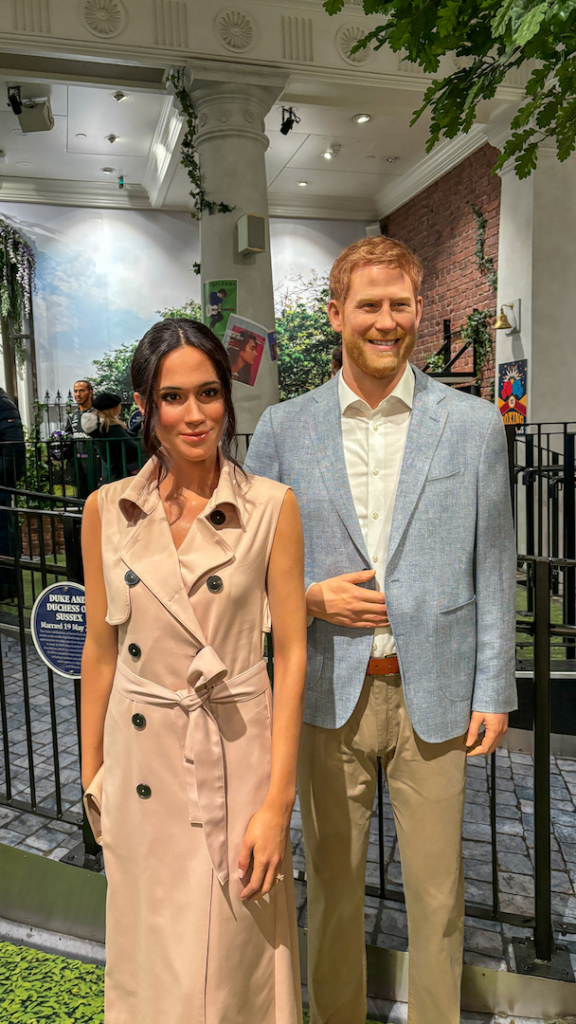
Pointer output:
x,y
17,282
477,330
485,263
189,154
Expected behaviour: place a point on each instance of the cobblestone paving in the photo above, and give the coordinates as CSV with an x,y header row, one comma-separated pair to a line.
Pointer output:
x,y
487,943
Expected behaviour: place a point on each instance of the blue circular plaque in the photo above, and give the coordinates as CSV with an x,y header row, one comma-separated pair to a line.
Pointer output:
x,y
58,626
135,419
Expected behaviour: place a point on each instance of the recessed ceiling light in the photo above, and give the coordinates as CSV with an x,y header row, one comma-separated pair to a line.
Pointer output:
x,y
112,138
80,135
361,118
302,184
23,163
119,95
392,159
107,170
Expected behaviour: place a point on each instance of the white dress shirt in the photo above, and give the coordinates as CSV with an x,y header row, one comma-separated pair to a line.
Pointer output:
x,y
374,442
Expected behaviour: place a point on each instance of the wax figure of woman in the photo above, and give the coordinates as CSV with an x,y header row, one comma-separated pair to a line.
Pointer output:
x,y
188,784
247,350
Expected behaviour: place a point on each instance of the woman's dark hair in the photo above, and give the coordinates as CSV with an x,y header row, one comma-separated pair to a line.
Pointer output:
x,y
165,337
245,338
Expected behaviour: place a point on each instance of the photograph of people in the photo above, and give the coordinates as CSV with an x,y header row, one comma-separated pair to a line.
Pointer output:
x,y
189,778
117,450
243,352
215,310
411,643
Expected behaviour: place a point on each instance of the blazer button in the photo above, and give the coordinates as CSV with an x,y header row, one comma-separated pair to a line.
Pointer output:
x,y
138,721
217,517
131,578
144,791
134,651
214,584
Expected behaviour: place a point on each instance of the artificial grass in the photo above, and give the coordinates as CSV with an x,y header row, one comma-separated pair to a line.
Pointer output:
x,y
36,988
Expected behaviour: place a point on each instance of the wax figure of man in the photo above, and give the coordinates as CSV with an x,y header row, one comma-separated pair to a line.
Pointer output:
x,y
410,569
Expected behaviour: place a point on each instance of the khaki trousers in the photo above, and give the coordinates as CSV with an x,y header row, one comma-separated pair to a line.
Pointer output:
x,y
337,784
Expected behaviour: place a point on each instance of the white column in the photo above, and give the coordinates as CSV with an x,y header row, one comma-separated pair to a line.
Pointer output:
x,y
231,102
536,261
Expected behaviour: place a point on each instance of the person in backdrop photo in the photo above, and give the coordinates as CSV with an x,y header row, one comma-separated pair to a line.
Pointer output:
x,y
215,311
84,464
118,451
242,353
410,573
189,775
12,472
335,360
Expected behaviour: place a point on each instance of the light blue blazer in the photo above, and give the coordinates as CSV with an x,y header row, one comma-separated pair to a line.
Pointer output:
x,y
451,570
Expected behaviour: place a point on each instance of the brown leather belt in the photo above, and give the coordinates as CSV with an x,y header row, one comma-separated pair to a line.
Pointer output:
x,y
387,666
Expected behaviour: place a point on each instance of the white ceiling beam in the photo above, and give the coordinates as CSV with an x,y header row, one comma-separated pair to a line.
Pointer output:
x,y
164,156
321,207
60,192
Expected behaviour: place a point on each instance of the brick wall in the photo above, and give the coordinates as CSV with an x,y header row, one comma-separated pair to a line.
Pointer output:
x,y
439,225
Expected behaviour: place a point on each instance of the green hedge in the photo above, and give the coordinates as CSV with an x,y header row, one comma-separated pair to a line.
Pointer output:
x,y
38,987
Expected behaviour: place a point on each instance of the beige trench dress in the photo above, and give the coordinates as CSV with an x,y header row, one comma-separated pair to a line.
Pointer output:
x,y
187,749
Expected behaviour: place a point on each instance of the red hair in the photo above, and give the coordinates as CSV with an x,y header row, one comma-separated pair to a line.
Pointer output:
x,y
373,252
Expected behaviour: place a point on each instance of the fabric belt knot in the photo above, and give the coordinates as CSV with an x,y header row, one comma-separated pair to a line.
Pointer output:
x,y
203,743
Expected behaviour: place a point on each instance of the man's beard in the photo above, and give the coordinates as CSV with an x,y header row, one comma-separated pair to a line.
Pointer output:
x,y
371,361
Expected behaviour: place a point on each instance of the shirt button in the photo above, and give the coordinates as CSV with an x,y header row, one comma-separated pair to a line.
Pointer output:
x,y
374,646
375,515
375,471
144,791
138,721
214,584
134,651
131,578
217,517
374,558
374,426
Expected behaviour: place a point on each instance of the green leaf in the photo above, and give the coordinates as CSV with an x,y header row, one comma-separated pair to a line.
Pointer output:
x,y
530,24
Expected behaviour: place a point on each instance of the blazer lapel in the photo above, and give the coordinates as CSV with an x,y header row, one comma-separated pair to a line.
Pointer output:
x,y
425,430
326,429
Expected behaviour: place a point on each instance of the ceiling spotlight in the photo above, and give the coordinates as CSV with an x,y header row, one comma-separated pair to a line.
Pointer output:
x,y
107,170
332,151
361,118
302,184
289,119
15,99
112,138
392,159
119,96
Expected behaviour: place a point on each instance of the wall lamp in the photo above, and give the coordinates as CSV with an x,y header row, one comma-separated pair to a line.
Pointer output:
x,y
503,321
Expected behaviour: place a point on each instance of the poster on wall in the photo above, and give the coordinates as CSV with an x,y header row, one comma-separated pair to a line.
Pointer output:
x,y
512,391
244,341
219,300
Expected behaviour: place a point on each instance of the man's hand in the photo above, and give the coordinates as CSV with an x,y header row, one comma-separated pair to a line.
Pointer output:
x,y
495,727
343,603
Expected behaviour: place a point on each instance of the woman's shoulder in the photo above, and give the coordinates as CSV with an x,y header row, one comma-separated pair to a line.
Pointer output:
x,y
109,494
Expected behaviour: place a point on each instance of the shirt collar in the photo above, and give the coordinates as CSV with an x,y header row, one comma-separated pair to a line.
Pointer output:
x,y
404,391
230,490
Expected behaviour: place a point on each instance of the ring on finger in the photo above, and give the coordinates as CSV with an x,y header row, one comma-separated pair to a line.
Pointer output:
x,y
279,878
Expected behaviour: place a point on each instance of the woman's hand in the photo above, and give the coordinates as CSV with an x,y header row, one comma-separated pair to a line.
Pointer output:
x,y
264,847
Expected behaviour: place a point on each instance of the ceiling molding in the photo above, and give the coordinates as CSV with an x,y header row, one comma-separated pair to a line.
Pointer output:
x,y
428,170
321,207
73,193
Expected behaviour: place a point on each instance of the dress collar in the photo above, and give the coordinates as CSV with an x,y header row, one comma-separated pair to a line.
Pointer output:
x,y
143,492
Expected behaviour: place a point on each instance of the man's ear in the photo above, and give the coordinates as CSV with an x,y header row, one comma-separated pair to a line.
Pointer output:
x,y
335,316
